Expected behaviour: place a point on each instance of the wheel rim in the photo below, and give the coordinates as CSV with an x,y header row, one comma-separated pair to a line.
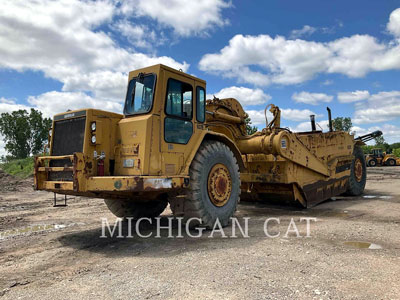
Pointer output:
x,y
219,185
391,162
358,170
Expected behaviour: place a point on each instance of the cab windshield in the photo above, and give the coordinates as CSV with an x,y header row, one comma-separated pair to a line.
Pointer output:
x,y
139,98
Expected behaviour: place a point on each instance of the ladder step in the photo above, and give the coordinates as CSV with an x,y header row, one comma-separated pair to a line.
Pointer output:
x,y
59,205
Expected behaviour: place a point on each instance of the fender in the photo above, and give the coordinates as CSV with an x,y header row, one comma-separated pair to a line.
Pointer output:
x,y
206,136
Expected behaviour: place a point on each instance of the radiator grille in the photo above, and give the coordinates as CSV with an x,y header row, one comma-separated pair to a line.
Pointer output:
x,y
68,138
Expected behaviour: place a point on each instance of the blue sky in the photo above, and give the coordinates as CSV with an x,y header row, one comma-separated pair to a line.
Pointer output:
x,y
299,55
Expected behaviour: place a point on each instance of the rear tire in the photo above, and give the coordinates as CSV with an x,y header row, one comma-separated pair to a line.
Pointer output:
x,y
122,208
358,173
214,186
391,162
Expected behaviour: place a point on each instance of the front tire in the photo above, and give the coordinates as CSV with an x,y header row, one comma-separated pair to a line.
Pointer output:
x,y
358,173
214,186
372,163
124,208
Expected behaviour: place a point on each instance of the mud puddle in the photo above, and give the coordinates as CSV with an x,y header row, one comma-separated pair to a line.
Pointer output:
x,y
363,245
377,196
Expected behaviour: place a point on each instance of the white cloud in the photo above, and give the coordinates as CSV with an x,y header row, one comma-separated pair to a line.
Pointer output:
x,y
359,130
244,95
394,23
311,98
281,61
358,55
297,114
380,107
258,118
140,36
2,145
62,39
348,97
185,17
54,102
306,126
8,106
391,133
305,31
103,84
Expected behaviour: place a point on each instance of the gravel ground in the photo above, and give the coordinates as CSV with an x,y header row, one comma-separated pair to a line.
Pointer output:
x,y
57,253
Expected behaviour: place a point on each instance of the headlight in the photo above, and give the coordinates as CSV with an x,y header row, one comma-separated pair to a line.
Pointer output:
x,y
93,126
93,139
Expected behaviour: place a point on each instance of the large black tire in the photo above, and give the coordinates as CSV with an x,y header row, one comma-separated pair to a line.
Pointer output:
x,y
358,173
127,208
391,162
209,183
372,162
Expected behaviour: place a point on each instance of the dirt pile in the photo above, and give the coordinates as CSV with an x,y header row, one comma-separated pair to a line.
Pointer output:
x,y
9,183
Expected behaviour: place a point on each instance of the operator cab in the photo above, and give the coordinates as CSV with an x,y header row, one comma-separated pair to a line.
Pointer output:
x,y
164,115
377,152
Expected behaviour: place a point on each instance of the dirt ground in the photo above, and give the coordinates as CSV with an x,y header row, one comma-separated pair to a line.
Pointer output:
x,y
57,253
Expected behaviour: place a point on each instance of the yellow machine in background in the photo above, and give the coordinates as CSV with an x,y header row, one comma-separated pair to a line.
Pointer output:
x,y
380,158
171,145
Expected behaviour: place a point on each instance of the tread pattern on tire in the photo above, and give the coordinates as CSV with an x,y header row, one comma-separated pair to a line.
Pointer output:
x,y
194,206
122,208
356,188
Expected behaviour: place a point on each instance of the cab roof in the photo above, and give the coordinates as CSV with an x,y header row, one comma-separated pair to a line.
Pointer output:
x,y
157,68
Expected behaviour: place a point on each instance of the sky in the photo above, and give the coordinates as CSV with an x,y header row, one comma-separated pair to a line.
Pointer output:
x,y
300,55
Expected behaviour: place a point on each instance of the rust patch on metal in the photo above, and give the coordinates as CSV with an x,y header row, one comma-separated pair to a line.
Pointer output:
x,y
219,185
358,170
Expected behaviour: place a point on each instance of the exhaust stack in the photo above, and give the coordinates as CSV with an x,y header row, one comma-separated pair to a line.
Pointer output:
x,y
313,127
330,119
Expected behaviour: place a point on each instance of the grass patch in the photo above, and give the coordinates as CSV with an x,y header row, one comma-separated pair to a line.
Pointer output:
x,y
21,168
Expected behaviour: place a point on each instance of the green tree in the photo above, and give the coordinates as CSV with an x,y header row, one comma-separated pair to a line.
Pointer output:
x,y
395,146
24,133
249,128
381,143
39,130
367,149
342,124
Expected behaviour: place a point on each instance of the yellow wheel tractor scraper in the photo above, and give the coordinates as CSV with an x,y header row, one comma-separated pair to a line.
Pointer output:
x,y
171,145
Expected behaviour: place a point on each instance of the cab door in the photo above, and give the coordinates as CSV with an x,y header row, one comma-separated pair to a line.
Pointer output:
x,y
177,123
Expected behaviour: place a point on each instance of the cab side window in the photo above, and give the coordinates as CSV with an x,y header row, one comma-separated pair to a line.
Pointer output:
x,y
178,127
179,99
200,104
